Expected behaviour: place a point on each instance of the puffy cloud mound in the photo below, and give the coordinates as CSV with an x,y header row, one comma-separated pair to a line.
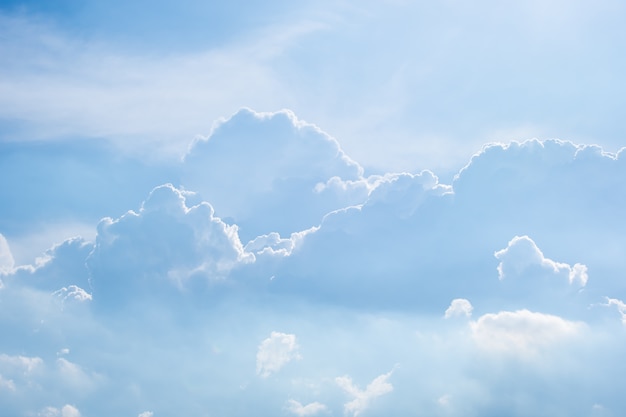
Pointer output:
x,y
459,307
522,332
275,352
262,169
522,257
362,398
162,247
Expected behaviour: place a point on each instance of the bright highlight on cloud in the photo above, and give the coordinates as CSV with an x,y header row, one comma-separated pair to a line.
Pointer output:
x,y
275,352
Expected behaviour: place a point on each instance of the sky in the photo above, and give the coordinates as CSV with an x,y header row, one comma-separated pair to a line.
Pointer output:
x,y
312,208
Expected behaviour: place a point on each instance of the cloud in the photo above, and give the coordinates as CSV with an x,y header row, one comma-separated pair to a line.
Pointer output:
x,y
275,352
300,410
73,293
164,246
6,258
522,255
276,162
459,307
362,398
66,411
620,305
522,332
146,414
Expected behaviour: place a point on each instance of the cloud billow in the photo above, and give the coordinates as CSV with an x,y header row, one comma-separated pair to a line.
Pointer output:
x,y
496,287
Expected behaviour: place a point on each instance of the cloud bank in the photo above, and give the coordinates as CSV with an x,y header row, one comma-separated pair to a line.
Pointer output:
x,y
496,294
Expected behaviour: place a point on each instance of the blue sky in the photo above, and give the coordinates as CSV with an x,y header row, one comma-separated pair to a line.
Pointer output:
x,y
312,208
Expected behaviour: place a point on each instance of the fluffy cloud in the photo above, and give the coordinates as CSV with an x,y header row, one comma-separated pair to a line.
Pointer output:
x,y
300,410
521,332
163,246
362,398
363,268
459,307
146,414
522,257
275,352
275,162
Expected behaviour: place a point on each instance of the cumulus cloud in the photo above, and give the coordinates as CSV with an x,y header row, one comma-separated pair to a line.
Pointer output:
x,y
363,398
274,161
164,245
522,332
275,352
300,410
522,256
459,307
146,414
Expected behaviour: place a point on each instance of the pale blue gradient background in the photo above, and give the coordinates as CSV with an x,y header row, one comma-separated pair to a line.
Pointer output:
x,y
173,241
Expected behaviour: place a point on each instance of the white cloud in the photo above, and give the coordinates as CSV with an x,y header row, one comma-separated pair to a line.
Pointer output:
x,y
620,305
6,258
20,364
276,162
275,352
459,307
73,293
69,411
522,332
300,410
362,398
274,245
166,244
522,254
66,411
146,414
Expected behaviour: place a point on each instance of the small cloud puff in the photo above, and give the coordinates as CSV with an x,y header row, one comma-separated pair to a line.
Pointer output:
x,y
275,352
146,414
73,293
300,410
459,307
362,398
522,254
522,333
